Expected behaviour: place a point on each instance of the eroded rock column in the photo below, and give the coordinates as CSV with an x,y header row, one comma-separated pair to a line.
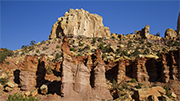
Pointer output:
x,y
28,73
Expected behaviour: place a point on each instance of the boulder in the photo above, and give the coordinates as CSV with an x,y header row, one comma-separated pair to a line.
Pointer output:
x,y
173,95
170,34
79,22
140,94
153,98
44,89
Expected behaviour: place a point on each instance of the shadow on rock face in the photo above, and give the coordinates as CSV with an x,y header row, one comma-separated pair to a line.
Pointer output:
x,y
54,87
16,76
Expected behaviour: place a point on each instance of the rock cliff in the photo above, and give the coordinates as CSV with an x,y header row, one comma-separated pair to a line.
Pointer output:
x,y
79,22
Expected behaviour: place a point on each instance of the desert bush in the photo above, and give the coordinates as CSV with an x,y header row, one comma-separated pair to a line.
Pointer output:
x,y
118,50
125,52
147,51
5,53
114,84
94,40
106,49
101,46
18,97
149,44
32,42
103,56
3,80
99,39
49,70
57,46
167,91
7,62
133,80
57,56
44,48
80,44
124,86
164,49
136,52
37,51
139,86
87,47
73,49
157,34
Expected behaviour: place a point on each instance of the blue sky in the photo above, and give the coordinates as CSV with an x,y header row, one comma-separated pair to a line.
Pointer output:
x,y
24,21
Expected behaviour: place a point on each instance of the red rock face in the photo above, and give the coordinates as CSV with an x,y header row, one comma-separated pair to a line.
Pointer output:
x,y
28,73
83,82
139,70
121,71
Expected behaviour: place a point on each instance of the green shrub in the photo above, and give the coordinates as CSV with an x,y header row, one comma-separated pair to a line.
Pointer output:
x,y
59,41
73,49
5,53
118,50
80,44
17,97
106,49
169,43
147,51
87,47
7,63
141,41
136,52
164,49
103,56
57,56
44,48
57,46
49,70
149,44
157,34
167,91
32,42
3,80
37,51
101,46
133,80
114,84
94,40
100,39
125,52
139,86
124,86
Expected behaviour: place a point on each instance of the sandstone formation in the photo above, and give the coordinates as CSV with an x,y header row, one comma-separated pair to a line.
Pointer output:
x,y
140,71
28,73
79,22
178,23
81,82
144,33
121,71
170,34
140,94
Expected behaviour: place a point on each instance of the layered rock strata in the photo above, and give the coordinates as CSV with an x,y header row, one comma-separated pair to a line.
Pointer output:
x,y
27,75
81,82
79,22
